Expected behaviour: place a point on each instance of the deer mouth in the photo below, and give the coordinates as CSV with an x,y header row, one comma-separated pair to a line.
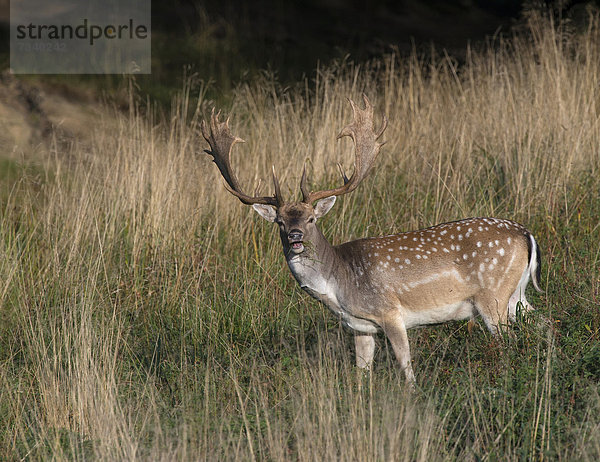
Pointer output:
x,y
297,246
295,241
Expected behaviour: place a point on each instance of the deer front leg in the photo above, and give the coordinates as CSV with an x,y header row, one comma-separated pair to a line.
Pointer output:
x,y
365,350
396,332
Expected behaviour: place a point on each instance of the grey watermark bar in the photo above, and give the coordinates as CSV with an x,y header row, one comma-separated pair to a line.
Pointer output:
x,y
80,37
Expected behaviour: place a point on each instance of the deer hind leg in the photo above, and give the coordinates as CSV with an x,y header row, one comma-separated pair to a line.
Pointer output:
x,y
396,332
518,296
493,309
518,302
365,350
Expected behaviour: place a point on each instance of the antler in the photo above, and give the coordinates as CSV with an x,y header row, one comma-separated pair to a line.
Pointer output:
x,y
366,149
221,141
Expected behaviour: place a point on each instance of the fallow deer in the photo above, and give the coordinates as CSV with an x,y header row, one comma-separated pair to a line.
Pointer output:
x,y
451,271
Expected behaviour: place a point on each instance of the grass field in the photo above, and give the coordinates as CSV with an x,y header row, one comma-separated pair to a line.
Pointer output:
x,y
148,315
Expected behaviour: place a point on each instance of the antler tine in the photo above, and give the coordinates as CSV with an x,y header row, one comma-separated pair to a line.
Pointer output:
x,y
303,187
221,141
341,169
366,149
278,197
384,124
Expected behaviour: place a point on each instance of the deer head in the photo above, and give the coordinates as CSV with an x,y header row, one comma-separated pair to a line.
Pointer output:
x,y
297,220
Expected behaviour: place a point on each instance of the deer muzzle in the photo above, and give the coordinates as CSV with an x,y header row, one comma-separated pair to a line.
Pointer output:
x,y
295,239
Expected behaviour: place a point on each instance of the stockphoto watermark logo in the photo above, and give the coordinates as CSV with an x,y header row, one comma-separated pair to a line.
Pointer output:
x,y
80,37
85,31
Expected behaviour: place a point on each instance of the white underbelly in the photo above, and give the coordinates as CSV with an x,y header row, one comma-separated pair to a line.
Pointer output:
x,y
439,314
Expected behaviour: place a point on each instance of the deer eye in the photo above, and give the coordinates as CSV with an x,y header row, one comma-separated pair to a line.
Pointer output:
x,y
311,219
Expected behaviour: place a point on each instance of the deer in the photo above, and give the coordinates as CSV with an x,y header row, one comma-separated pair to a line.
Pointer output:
x,y
474,267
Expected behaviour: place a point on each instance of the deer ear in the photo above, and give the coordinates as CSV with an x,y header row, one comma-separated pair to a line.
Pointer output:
x,y
324,205
268,212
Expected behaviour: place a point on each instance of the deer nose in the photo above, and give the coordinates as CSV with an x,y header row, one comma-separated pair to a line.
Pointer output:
x,y
295,235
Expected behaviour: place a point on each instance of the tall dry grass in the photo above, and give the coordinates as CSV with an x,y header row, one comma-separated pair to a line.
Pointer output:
x,y
147,315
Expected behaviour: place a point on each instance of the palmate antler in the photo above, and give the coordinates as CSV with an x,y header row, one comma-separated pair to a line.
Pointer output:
x,y
366,149
221,141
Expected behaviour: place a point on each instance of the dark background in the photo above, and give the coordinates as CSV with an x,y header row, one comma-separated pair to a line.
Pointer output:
x,y
227,42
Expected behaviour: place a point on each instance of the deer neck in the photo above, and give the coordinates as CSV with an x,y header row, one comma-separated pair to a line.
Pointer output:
x,y
317,269
324,273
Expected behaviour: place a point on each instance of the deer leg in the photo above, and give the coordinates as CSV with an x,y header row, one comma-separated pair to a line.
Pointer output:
x,y
513,305
470,326
493,310
365,350
396,332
